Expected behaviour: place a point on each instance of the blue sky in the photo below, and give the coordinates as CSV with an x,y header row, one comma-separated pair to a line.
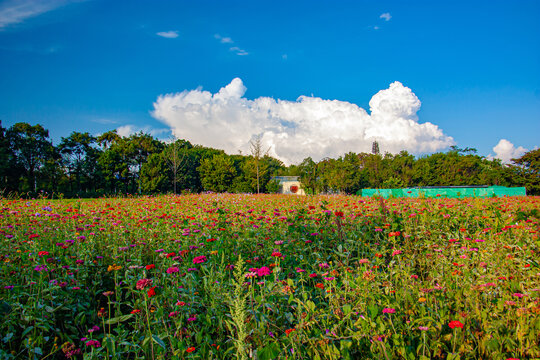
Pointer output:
x,y
99,65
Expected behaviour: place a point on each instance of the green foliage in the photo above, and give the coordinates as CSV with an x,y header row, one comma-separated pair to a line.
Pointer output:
x,y
86,166
217,173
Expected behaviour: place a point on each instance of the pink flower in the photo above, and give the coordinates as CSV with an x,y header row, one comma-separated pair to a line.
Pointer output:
x,y
143,283
199,259
397,252
93,343
172,269
263,271
519,295
173,314
388,311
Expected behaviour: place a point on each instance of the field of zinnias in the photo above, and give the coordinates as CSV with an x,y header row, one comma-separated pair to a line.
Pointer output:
x,y
270,277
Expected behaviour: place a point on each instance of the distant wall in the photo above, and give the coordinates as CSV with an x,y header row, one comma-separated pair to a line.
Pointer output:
x,y
447,192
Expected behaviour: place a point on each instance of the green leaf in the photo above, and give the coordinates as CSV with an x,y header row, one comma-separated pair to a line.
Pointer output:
x,y
26,331
7,337
269,352
118,319
158,341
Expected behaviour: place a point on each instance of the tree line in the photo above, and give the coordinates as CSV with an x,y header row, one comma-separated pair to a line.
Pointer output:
x,y
83,165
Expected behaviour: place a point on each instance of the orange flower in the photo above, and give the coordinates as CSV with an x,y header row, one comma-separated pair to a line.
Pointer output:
x,y
288,331
320,285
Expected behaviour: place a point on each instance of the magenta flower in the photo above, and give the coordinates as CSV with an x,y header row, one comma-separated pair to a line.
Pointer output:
x,y
388,311
93,343
199,259
264,271
172,269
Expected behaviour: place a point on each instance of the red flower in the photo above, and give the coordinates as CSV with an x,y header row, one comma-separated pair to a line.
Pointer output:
x,y
151,291
339,213
190,349
136,311
288,331
277,254
455,324
151,266
319,285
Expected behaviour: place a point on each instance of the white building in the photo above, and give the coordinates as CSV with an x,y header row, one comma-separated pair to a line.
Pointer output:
x,y
289,185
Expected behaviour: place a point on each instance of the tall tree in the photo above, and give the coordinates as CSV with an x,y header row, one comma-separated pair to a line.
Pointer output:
x,y
257,152
80,159
176,156
32,148
308,175
529,168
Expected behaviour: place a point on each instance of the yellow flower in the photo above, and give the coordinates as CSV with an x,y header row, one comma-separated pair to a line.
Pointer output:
x,y
114,267
214,252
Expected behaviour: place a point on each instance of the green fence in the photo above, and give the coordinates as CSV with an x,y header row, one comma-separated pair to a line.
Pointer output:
x,y
447,192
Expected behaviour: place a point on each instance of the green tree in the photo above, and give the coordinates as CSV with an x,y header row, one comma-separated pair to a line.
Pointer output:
x,y
8,172
529,169
155,174
308,175
217,173
31,148
80,159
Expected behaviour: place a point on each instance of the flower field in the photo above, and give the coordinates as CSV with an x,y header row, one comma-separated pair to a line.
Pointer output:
x,y
220,276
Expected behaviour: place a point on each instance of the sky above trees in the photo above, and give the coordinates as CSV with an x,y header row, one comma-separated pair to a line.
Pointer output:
x,y
315,79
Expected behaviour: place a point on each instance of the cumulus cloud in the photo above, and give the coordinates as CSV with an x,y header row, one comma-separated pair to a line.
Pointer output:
x,y
168,34
294,130
16,11
386,16
506,151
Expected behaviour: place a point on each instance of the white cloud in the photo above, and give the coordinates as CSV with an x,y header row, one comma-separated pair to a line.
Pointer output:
x,y
238,51
228,40
294,130
223,40
506,151
127,130
386,16
168,34
16,11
